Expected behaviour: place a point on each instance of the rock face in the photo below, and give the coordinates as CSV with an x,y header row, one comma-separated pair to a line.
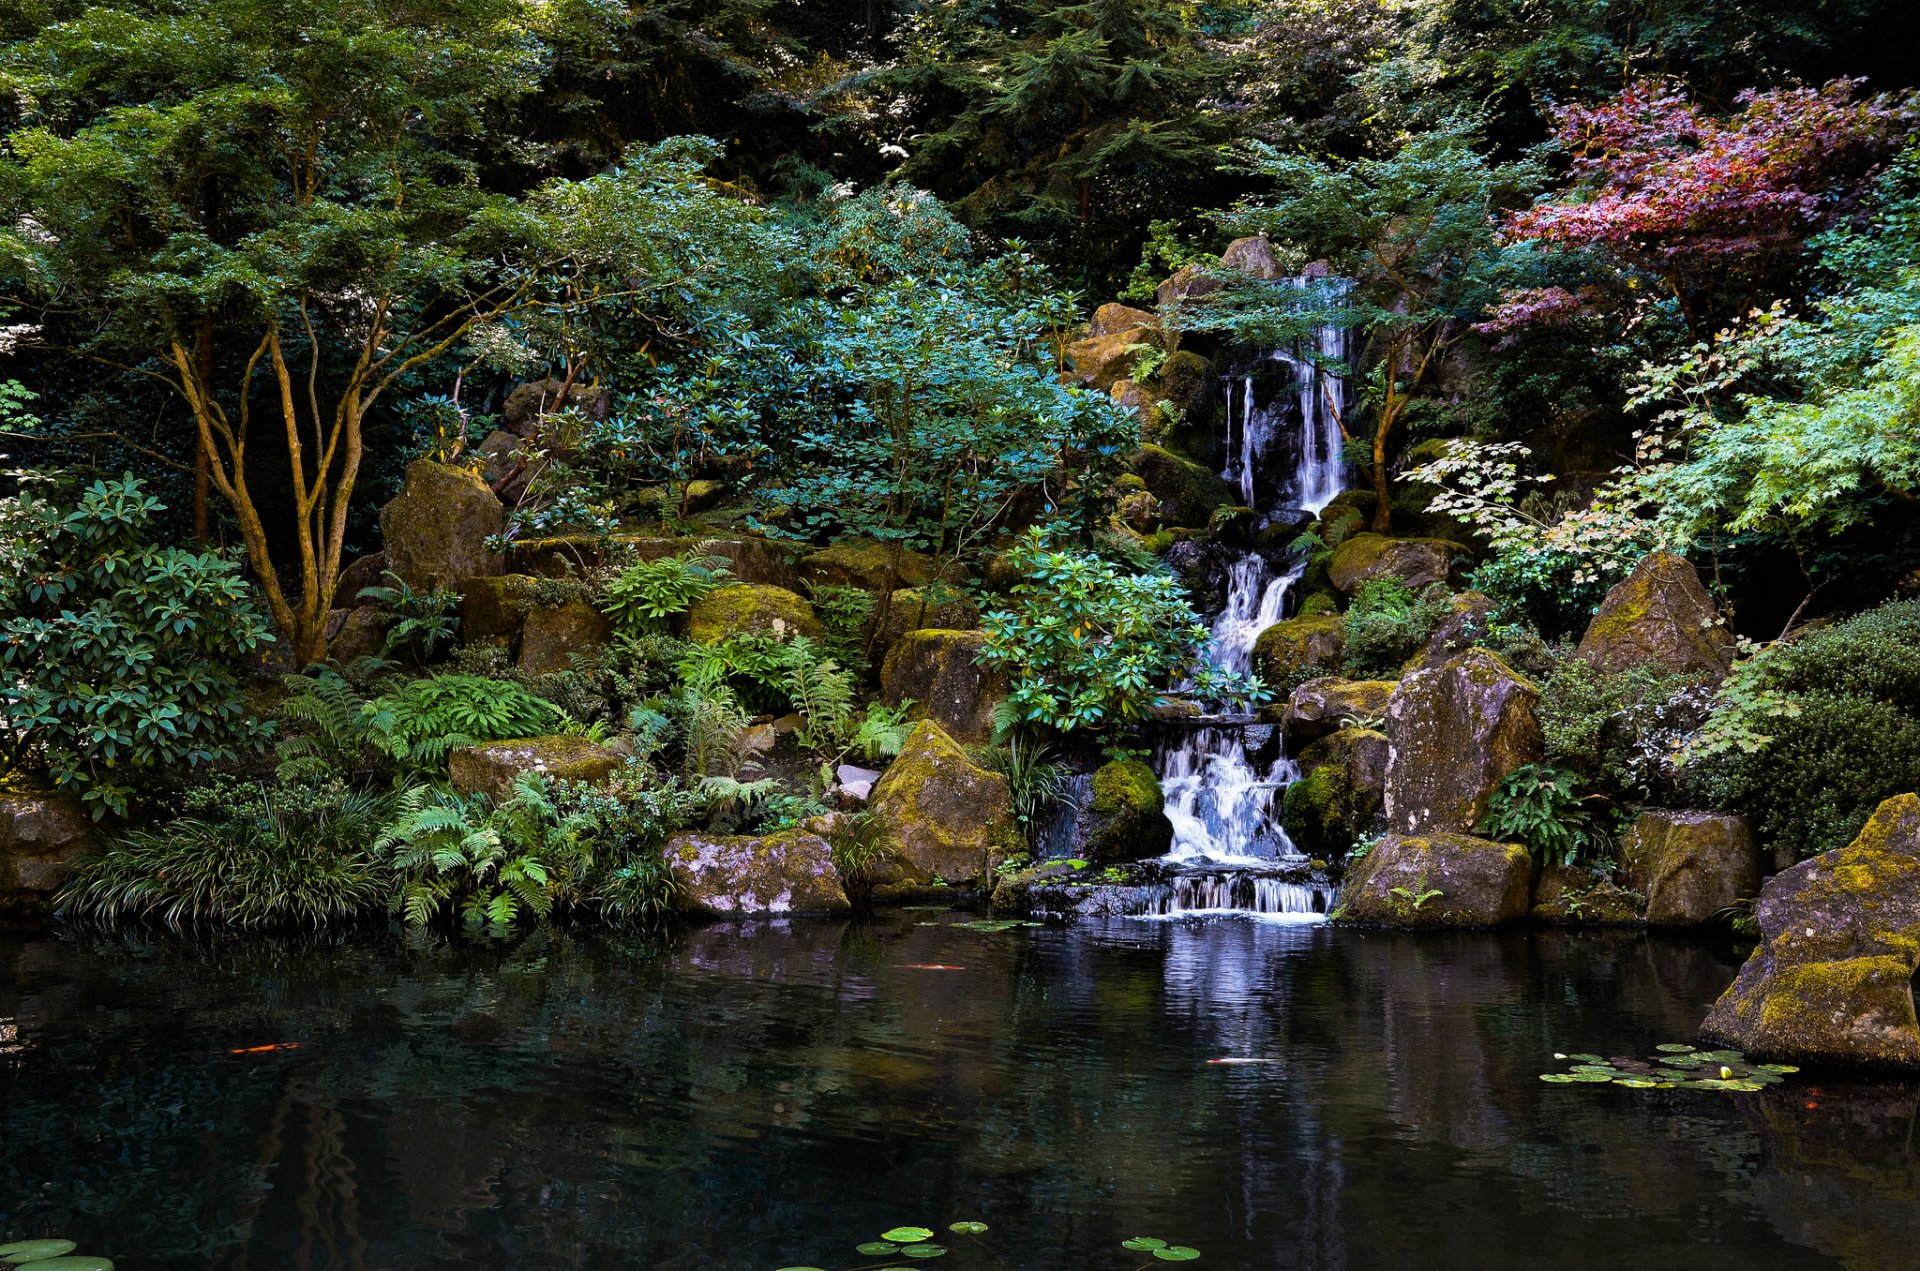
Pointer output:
x,y
365,571
1466,882
1188,493
1252,257
492,610
1832,980
436,531
1287,648
490,767
42,835
1418,562
1659,615
1569,894
1320,707
553,633
361,633
1102,361
936,669
1454,733
1112,319
1689,865
1341,794
1126,818
787,873
866,565
750,607
942,814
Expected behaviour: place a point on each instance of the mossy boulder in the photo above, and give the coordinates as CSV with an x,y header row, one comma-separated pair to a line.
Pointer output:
x,y
43,835
436,530
750,607
493,609
1832,979
365,571
1286,649
490,767
935,607
1319,605
1125,819
1189,282
1113,319
749,559
1340,796
941,814
1322,706
1100,361
1438,880
1252,256
553,633
1464,625
1188,493
1455,732
530,404
1659,615
1418,562
1569,895
937,671
874,567
1188,384
723,875
1689,865
356,633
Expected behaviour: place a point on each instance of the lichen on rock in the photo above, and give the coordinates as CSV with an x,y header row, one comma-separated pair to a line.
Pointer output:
x,y
941,814
1689,865
1659,615
1340,795
1285,649
938,671
1418,562
436,530
491,767
1322,706
790,872
1454,733
750,607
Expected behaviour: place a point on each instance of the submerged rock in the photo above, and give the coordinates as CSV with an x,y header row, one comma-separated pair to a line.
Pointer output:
x,y
436,530
43,834
1340,795
1832,980
1126,818
750,607
1286,649
941,814
1438,880
790,872
936,670
490,767
1455,732
1418,562
1659,615
1689,865
1324,706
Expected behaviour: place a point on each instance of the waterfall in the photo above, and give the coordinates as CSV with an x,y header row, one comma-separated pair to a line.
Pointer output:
x,y
1223,779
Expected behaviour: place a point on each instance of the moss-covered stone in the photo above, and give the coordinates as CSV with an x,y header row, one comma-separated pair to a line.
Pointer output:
x,y
938,671
935,607
1340,796
1101,360
491,767
1659,615
1113,319
1321,706
1188,493
1187,383
1319,605
492,610
1569,895
1438,880
1689,865
750,607
1286,649
1418,562
43,835
357,633
749,559
1832,979
790,872
874,567
436,530
941,814
554,634
1455,732
1125,819
1464,626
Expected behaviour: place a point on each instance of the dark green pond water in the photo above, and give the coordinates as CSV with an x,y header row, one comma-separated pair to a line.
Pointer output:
x,y
767,1095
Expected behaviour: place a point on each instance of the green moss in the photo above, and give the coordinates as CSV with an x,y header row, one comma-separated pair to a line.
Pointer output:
x,y
1188,492
1319,604
863,563
1798,1014
1286,649
1127,784
943,815
750,607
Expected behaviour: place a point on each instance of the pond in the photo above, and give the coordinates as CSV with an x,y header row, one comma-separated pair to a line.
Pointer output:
x,y
769,1095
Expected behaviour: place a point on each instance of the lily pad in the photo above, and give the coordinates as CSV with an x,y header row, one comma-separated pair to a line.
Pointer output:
x,y
35,1250
907,1235
800,1269
967,1228
71,1262
923,1251
1636,1083
1557,1078
1674,1048
1778,1068
1590,1076
876,1248
1586,1059
1176,1253
1142,1244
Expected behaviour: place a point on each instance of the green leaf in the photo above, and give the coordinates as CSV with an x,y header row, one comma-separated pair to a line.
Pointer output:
x,y
32,1250
924,1251
876,1248
1141,1244
967,1228
1176,1253
907,1235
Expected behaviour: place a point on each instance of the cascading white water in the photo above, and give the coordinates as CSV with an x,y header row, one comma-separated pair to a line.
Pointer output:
x,y
1222,781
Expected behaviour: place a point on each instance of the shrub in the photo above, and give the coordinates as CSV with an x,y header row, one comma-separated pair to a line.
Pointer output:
x,y
643,596
120,657
1087,645
1809,737
1619,729
1388,622
243,855
845,613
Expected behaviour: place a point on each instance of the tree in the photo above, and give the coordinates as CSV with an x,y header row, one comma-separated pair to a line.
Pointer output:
x,y
1413,235
277,213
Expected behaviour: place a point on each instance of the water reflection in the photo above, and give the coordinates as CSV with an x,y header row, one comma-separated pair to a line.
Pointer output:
x,y
764,1095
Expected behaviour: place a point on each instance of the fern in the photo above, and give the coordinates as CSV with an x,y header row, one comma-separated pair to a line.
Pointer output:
x,y
427,619
821,692
882,732
644,595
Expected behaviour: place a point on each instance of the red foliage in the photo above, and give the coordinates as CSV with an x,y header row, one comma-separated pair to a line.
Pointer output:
x,y
1709,206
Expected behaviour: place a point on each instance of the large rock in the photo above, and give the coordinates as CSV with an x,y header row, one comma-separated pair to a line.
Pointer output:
x,y
1286,649
938,671
750,607
436,530
358,633
1188,283
529,404
786,873
494,609
1466,624
1327,704
1101,361
1465,882
554,633
941,814
1113,319
1418,562
1659,615
873,567
1252,257
1188,493
936,607
490,767
42,835
1125,819
1832,980
1341,793
1689,865
365,571
1454,733
750,560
